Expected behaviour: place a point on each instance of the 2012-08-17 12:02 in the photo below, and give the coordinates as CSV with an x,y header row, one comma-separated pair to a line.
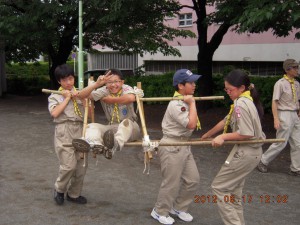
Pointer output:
x,y
248,198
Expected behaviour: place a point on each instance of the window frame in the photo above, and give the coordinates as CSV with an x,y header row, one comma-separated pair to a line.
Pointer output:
x,y
188,22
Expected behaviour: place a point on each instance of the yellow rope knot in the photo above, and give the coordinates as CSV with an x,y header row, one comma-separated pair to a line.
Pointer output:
x,y
116,109
292,82
244,94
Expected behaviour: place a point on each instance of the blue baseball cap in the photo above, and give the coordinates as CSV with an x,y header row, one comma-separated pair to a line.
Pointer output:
x,y
184,75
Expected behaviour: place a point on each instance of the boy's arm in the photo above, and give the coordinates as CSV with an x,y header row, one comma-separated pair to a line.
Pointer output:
x,y
275,114
85,92
57,110
219,140
124,99
193,118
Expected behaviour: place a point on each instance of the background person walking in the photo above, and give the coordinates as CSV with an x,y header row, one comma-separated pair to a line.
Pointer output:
x,y
285,109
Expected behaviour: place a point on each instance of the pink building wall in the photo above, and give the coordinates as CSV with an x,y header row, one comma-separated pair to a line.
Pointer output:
x,y
231,37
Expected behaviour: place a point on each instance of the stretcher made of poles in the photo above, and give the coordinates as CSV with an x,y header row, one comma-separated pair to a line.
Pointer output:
x,y
191,142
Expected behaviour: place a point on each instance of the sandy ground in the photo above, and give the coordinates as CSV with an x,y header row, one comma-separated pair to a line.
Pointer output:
x,y
117,190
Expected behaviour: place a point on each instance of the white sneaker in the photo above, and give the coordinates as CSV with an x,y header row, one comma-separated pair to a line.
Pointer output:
x,y
162,219
182,215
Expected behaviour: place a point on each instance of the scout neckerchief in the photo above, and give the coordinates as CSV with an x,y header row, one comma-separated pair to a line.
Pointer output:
x,y
76,108
244,94
292,82
176,94
116,108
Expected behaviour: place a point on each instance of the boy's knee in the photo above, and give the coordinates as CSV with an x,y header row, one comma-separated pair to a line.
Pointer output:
x,y
126,122
214,186
194,183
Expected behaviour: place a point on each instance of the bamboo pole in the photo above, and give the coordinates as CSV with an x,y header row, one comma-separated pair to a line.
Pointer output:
x,y
92,107
196,142
161,99
154,99
142,118
85,122
47,91
92,104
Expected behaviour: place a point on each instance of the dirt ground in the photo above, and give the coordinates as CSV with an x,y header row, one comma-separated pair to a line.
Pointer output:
x,y
117,190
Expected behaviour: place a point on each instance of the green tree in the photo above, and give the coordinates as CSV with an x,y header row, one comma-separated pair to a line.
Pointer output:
x,y
281,17
50,27
239,15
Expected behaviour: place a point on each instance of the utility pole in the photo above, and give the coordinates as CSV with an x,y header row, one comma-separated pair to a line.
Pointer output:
x,y
80,53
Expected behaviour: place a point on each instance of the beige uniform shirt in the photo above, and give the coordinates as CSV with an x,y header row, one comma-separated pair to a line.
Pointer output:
x,y
284,95
124,111
245,119
176,119
69,113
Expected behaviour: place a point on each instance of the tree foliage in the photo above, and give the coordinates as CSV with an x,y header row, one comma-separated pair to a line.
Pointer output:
x,y
34,27
255,16
281,17
50,27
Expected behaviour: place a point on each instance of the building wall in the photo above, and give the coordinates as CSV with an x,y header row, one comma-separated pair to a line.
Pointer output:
x,y
257,52
261,54
112,59
237,52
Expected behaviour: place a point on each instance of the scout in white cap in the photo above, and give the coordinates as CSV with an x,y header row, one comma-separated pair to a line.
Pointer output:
x,y
285,109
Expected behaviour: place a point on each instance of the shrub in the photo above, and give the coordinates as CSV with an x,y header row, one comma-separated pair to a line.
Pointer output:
x,y
29,79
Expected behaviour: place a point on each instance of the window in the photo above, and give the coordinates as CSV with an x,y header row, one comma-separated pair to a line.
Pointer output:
x,y
185,20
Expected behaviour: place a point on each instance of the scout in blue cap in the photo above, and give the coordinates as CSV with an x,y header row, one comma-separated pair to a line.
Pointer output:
x,y
177,162
184,75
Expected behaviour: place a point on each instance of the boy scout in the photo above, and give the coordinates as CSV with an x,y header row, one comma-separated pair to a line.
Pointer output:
x,y
180,176
117,102
285,109
67,109
244,120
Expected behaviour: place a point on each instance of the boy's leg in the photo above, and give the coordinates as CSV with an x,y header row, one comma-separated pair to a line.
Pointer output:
x,y
114,141
93,139
124,132
230,180
283,132
295,147
66,156
190,181
172,164
76,181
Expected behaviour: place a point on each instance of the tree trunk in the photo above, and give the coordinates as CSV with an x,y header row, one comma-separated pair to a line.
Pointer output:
x,y
59,58
205,83
204,58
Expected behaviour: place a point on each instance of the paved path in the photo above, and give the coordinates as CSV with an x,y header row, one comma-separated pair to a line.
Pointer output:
x,y
117,190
